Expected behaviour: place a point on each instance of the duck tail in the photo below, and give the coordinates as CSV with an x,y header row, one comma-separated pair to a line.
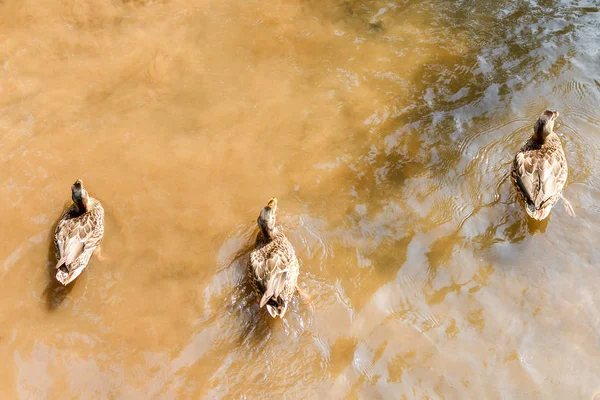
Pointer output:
x,y
64,276
538,213
278,310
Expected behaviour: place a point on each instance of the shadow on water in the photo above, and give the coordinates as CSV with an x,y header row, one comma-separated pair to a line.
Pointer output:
x,y
534,227
517,231
55,292
255,324
254,327
242,304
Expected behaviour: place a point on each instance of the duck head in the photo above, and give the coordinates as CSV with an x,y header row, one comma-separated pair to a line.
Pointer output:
x,y
80,196
266,219
545,125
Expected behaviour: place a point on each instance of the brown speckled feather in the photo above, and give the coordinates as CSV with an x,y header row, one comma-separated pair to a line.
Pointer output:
x,y
273,270
76,238
539,174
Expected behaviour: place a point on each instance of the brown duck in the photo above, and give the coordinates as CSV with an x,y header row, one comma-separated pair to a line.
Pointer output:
x,y
78,234
540,170
273,267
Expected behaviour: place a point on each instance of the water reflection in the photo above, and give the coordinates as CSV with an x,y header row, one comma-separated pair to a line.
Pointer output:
x,y
387,131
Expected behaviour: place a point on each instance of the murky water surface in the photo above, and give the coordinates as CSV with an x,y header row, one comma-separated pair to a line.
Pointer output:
x,y
386,130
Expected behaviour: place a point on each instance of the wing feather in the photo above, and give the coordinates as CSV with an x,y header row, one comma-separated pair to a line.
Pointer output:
x,y
273,268
76,238
540,175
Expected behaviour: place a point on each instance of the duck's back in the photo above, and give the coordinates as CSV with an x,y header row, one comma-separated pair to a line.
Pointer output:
x,y
539,174
77,236
277,253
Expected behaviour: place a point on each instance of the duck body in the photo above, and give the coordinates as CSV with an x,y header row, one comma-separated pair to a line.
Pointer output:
x,y
539,171
273,267
78,234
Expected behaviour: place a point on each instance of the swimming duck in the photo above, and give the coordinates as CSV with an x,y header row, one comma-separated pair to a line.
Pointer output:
x,y
540,169
78,234
273,267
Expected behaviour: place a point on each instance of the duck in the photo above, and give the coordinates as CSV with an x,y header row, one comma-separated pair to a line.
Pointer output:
x,y
539,170
273,267
78,234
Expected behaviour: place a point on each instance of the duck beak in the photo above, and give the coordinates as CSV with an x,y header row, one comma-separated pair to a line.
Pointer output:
x,y
272,204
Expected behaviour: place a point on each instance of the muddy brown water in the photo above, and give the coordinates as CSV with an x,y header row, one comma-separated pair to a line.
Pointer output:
x,y
385,129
